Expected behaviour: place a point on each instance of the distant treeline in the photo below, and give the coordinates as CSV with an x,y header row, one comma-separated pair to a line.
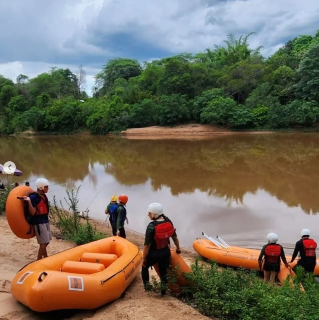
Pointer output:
x,y
231,85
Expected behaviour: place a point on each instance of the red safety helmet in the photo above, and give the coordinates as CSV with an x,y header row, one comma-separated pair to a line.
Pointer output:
x,y
123,198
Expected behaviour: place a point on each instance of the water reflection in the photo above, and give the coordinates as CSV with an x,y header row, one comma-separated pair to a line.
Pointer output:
x,y
238,186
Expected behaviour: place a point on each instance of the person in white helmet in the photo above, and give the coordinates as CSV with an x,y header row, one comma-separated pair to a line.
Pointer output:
x,y
38,205
272,252
307,249
157,245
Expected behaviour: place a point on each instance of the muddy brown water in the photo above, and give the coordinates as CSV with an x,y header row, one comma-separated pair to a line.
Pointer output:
x,y
240,187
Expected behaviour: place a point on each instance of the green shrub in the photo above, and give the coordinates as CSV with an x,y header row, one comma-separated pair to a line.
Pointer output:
x,y
3,198
229,294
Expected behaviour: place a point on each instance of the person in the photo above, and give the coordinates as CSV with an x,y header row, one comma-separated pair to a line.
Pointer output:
x,y
121,215
307,249
38,205
111,212
27,184
272,251
2,185
157,245
16,184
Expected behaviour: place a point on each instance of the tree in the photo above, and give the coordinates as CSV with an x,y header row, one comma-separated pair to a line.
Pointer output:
x,y
236,50
81,80
218,111
308,73
117,68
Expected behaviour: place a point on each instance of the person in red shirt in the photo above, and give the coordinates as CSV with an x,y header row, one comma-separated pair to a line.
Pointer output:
x,y
272,252
307,249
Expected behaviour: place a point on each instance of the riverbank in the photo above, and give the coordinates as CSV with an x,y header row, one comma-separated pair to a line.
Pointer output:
x,y
185,131
192,130
136,304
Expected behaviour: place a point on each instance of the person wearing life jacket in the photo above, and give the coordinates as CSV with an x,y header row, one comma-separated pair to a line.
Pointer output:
x,y
157,245
111,212
307,249
273,253
38,206
121,215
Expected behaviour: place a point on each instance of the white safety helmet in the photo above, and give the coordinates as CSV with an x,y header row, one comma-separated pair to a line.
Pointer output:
x,y
41,183
272,237
156,209
305,232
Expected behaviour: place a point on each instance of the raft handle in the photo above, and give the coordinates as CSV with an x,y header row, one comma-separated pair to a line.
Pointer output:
x,y
40,276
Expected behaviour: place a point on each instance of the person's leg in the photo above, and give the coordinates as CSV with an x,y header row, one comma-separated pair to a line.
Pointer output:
x,y
266,275
163,265
43,235
42,253
113,225
122,233
273,275
145,274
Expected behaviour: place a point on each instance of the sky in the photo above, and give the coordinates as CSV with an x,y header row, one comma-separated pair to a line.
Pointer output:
x,y
37,35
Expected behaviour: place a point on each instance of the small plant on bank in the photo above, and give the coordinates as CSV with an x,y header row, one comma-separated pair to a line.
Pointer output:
x,y
69,222
3,198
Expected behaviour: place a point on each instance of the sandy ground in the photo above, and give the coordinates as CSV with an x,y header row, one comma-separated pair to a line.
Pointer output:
x,y
183,131
135,305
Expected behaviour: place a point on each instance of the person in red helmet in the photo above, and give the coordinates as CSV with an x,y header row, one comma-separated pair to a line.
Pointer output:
x,y
121,215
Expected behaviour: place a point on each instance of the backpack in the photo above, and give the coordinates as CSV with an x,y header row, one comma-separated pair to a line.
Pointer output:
x,y
163,231
273,252
309,246
113,211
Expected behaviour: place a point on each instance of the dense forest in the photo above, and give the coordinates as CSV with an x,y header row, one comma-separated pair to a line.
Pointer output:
x,y
231,85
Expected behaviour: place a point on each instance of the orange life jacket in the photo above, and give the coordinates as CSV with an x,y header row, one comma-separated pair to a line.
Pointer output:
x,y
273,252
309,246
163,231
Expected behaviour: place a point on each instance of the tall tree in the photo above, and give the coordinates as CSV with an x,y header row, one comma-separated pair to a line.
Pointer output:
x,y
117,68
308,72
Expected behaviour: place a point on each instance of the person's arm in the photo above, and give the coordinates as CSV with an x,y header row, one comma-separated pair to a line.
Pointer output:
x,y
260,259
283,257
176,242
32,208
146,249
149,234
294,255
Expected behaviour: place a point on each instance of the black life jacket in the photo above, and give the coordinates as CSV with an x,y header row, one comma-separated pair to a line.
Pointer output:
x,y
163,231
309,246
272,253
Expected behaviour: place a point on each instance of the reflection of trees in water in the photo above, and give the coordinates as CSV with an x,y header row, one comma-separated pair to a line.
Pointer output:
x,y
284,165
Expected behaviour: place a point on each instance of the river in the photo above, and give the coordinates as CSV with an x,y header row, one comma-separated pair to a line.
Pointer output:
x,y
240,187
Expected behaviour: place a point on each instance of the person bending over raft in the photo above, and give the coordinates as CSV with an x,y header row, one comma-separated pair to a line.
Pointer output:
x,y
307,248
272,251
39,207
156,245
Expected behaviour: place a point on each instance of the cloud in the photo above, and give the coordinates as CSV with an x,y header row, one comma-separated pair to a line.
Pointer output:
x,y
89,32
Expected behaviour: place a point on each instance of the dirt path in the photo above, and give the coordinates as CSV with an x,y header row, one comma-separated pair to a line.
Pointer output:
x,y
136,304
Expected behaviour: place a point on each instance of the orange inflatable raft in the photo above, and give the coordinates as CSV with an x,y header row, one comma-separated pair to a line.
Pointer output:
x,y
84,277
15,213
237,256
